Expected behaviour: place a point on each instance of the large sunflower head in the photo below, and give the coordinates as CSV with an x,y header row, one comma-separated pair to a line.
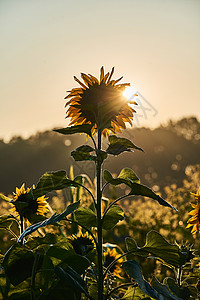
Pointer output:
x,y
100,103
109,257
195,213
82,243
25,206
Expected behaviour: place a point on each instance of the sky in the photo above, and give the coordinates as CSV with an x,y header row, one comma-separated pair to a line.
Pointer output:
x,y
154,44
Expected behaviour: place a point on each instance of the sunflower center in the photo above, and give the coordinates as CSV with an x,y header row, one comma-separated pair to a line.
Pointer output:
x,y
82,245
108,260
26,206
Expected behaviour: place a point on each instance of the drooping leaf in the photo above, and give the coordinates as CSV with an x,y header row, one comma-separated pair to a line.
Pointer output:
x,y
85,148
48,239
126,176
135,293
117,149
86,217
163,289
52,181
18,263
142,190
181,292
158,247
119,145
112,217
131,245
133,269
53,219
63,252
85,128
81,156
71,279
107,175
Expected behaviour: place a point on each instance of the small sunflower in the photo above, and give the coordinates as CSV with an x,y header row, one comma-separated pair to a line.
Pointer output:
x,y
109,257
195,220
100,103
26,206
82,243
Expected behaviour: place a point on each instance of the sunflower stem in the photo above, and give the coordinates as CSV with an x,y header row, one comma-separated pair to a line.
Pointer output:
x,y
21,228
99,220
179,274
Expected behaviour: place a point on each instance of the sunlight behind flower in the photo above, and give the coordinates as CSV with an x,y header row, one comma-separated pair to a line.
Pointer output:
x,y
130,93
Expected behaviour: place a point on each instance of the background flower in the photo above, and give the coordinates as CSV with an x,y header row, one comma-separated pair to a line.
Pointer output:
x,y
26,206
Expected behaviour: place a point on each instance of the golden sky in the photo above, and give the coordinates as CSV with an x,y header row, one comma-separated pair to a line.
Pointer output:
x,y
154,44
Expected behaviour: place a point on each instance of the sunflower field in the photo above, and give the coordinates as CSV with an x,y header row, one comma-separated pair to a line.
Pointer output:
x,y
71,237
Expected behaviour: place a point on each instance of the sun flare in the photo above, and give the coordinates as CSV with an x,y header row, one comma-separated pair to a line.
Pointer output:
x,y
130,93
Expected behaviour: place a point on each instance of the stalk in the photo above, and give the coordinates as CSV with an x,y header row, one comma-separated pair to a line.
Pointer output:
x,y
21,228
179,274
99,221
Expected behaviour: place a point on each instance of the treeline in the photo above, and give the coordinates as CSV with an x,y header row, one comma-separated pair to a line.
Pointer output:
x,y
168,150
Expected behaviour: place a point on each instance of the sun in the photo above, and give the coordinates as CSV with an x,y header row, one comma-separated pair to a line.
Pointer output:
x,y
130,93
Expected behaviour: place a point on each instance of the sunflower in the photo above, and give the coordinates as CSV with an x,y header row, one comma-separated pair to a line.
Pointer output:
x,y
109,257
100,103
82,243
26,206
195,213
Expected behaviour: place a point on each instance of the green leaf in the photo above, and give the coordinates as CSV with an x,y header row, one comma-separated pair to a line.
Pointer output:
x,y
163,289
107,176
53,219
81,156
52,181
142,190
119,145
61,251
131,245
116,149
71,279
126,176
48,239
85,148
133,269
158,247
86,217
135,293
182,292
18,263
45,274
112,217
85,128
